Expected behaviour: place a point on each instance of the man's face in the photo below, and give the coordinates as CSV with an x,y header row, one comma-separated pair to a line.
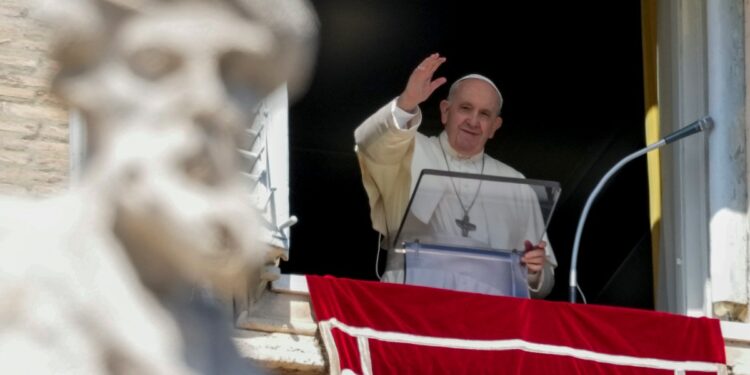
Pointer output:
x,y
470,116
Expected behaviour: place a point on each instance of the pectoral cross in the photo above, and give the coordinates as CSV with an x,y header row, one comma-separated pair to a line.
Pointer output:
x,y
465,225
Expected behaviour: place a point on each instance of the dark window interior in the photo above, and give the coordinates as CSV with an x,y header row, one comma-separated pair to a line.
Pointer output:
x,y
571,75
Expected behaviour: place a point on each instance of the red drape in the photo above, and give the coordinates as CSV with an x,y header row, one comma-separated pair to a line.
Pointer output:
x,y
380,328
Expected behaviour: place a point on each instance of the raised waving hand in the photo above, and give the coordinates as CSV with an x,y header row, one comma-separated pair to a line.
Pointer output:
x,y
421,85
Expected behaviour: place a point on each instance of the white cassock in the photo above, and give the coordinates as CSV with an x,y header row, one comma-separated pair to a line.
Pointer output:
x,y
391,160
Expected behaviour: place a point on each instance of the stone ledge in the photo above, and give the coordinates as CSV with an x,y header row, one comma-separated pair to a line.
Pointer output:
x,y
279,332
281,353
292,284
280,312
737,346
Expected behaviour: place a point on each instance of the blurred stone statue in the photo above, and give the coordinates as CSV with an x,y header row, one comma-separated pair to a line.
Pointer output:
x,y
103,278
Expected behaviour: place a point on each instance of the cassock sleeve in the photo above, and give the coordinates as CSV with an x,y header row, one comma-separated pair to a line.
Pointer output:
x,y
385,153
545,283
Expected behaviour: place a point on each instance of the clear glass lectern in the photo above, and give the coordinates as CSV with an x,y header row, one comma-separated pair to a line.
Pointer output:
x,y
467,231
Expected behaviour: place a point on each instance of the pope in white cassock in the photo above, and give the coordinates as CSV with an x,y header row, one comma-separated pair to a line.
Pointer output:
x,y
392,155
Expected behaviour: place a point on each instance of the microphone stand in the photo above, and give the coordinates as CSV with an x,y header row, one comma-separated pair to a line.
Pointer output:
x,y
696,127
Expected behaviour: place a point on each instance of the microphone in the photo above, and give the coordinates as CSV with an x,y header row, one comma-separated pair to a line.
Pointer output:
x,y
696,127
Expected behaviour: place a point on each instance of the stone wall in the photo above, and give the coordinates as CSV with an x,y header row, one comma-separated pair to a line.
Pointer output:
x,y
33,122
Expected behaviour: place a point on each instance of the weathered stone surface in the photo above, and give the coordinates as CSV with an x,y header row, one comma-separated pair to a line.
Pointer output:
x,y
282,352
280,333
29,113
285,309
280,312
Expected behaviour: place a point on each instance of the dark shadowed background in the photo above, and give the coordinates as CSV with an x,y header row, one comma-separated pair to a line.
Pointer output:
x,y
571,76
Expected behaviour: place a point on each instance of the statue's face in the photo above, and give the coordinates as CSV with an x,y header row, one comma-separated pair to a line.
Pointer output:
x,y
168,103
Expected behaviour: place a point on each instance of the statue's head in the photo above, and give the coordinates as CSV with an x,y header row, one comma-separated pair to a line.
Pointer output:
x,y
202,60
167,89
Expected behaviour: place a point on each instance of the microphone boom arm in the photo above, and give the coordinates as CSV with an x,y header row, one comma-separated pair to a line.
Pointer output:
x,y
696,127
